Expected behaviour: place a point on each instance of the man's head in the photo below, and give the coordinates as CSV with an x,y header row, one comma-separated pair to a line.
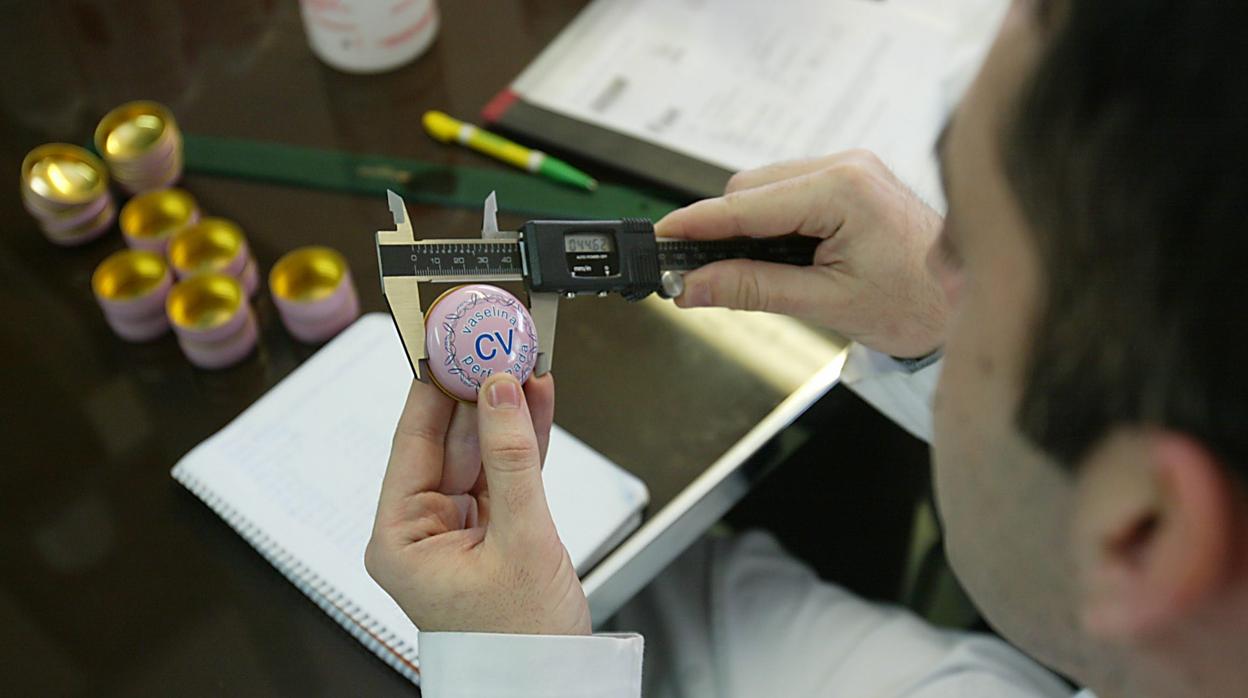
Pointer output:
x,y
1092,420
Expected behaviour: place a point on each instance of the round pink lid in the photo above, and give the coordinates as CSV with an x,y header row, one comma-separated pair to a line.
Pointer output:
x,y
475,331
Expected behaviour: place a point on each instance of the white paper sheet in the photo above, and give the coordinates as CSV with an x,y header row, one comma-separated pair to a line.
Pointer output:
x,y
741,83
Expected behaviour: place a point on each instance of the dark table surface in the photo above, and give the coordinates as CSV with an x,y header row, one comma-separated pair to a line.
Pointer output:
x,y
114,580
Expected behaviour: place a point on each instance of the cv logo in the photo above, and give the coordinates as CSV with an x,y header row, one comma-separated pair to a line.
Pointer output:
x,y
486,339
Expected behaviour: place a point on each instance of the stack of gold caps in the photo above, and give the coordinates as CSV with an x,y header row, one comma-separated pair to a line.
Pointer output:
x,y
214,245
66,188
213,320
150,220
131,287
141,143
314,293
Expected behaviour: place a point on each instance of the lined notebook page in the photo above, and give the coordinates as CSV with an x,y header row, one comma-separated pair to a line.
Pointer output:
x,y
301,469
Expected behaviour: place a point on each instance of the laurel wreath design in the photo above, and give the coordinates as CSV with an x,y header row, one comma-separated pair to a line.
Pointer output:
x,y
448,327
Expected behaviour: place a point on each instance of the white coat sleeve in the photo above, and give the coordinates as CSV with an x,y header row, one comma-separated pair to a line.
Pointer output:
x,y
737,617
475,665
902,396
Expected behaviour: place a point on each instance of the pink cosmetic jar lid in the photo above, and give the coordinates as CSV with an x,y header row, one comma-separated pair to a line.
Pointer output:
x,y
213,320
210,245
207,307
131,287
475,331
86,232
214,245
225,352
314,293
150,220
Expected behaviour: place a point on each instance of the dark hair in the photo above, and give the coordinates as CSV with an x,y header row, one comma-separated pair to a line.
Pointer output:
x,y
1128,152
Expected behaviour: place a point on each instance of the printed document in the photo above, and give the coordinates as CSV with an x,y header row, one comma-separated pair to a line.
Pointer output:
x,y
741,83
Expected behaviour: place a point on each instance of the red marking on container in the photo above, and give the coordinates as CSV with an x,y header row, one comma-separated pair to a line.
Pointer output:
x,y
399,7
325,5
334,24
405,35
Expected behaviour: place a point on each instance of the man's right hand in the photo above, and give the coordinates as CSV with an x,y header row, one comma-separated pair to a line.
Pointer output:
x,y
870,280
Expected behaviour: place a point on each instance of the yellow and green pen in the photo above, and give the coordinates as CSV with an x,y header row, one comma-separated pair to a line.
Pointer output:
x,y
446,129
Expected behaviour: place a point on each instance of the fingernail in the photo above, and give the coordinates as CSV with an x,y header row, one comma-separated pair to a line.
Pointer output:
x,y
696,296
505,394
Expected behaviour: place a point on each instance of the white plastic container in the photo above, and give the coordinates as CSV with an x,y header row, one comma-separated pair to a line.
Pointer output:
x,y
369,36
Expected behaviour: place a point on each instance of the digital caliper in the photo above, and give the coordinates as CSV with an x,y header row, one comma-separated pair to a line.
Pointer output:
x,y
552,259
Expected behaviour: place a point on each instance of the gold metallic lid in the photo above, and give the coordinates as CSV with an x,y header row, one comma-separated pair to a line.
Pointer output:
x,y
133,129
207,246
128,274
307,274
158,213
64,174
205,301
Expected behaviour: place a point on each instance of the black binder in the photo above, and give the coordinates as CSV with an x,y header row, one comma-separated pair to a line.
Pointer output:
x,y
683,174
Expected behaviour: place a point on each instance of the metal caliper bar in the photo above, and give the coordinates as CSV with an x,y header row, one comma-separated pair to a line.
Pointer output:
x,y
686,255
481,259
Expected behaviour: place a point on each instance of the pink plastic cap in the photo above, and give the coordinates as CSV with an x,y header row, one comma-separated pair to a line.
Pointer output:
x,y
319,329
223,352
207,308
132,284
475,331
138,329
309,284
250,277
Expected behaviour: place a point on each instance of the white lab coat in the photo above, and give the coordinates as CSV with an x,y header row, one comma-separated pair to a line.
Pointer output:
x,y
740,617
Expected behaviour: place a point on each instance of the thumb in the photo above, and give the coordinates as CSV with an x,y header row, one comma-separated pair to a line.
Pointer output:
x,y
511,459
743,284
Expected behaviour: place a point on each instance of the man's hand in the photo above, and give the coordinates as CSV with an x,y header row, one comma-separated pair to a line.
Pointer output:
x,y
463,539
869,280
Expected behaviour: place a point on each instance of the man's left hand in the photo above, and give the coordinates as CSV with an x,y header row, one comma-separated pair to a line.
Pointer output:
x,y
463,538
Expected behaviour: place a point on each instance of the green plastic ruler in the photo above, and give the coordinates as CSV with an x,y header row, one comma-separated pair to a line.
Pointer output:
x,y
415,180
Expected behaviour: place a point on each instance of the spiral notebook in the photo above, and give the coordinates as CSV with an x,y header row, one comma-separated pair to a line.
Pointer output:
x,y
298,473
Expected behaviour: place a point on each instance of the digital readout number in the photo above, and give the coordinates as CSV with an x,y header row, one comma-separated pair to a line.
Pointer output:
x,y
588,242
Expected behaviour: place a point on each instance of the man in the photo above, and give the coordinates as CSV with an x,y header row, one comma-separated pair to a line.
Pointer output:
x,y
1088,447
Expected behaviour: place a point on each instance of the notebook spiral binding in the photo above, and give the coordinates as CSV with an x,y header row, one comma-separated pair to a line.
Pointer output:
x,y
379,640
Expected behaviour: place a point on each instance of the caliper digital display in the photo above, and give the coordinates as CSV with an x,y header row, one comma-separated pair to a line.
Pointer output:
x,y
591,254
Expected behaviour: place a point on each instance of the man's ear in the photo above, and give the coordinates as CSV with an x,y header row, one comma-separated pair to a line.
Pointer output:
x,y
1155,532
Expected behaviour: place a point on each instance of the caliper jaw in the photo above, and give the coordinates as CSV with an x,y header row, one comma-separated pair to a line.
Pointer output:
x,y
544,307
402,293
